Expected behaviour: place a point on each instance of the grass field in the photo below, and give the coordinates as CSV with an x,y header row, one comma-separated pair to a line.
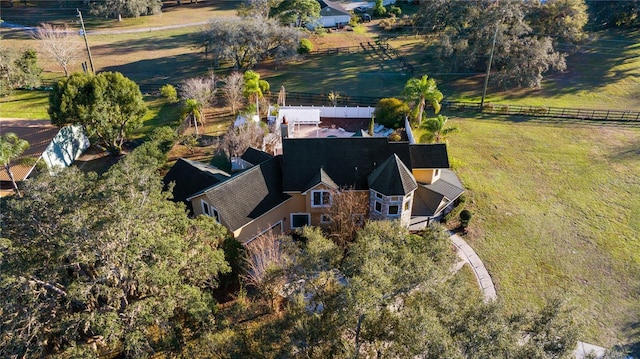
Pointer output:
x,y
25,104
557,211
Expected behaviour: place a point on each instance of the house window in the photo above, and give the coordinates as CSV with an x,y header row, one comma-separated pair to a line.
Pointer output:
x,y
396,199
394,210
407,204
378,195
437,173
300,220
210,211
205,208
320,198
325,218
378,207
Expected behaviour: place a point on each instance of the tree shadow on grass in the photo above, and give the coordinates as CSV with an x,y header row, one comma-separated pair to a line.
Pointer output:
x,y
592,66
156,72
628,153
144,44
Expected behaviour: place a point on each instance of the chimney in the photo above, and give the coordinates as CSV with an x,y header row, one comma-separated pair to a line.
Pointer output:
x,y
284,128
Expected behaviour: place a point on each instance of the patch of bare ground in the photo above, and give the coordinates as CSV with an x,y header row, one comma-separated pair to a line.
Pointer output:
x,y
203,144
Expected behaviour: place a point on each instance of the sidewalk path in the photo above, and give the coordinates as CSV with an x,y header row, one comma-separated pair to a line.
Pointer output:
x,y
468,255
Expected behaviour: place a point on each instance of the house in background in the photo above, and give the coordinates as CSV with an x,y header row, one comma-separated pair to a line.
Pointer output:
x,y
411,183
57,147
332,14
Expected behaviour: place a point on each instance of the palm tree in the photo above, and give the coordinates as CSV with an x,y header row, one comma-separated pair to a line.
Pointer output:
x,y
11,147
423,90
193,109
436,130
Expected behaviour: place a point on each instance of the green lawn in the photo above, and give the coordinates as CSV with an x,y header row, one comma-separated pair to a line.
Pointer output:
x,y
557,211
159,113
357,74
25,104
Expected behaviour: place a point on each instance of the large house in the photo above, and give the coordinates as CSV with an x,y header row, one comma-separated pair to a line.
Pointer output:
x,y
411,183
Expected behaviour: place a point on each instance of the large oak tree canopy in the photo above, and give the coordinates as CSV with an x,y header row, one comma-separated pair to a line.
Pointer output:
x,y
108,105
526,35
105,260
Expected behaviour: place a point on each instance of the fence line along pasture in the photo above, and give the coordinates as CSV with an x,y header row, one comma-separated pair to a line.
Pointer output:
x,y
547,111
304,98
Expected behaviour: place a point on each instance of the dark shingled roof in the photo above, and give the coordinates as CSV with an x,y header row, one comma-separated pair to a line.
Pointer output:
x,y
392,178
425,202
248,195
448,185
429,155
321,177
191,177
347,160
428,198
255,156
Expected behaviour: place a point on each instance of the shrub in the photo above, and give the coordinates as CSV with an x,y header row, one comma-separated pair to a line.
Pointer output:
x,y
395,137
169,92
461,202
164,136
378,9
390,112
395,10
465,218
305,46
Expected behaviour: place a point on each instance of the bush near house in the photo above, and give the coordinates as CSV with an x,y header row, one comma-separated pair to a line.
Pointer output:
x,y
390,112
465,218
305,47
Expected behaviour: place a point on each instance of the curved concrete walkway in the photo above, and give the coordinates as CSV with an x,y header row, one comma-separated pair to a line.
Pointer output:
x,y
468,255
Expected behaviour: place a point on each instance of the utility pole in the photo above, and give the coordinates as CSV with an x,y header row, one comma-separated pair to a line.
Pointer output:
x,y
486,78
84,34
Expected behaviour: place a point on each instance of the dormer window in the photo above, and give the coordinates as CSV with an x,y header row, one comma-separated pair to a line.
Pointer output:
x,y
210,211
320,198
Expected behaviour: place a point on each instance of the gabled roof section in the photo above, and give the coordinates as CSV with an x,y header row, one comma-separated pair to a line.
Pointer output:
x,y
191,177
430,199
329,8
392,178
39,134
448,185
248,195
321,178
347,160
255,156
429,156
426,202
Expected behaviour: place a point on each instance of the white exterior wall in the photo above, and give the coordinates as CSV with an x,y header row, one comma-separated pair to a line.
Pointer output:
x,y
337,112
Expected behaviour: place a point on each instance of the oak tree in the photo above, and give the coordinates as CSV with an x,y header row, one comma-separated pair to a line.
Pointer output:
x,y
108,105
94,264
